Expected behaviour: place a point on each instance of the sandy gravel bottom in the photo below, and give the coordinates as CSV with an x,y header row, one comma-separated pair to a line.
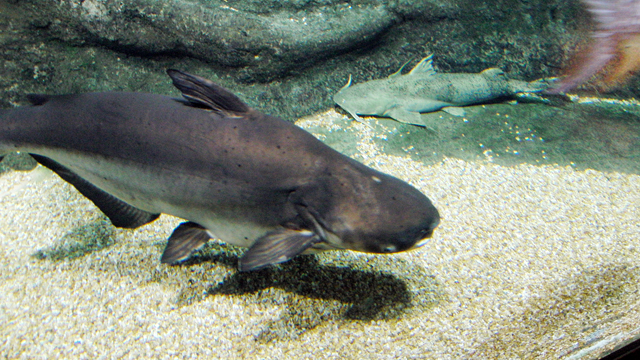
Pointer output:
x,y
529,262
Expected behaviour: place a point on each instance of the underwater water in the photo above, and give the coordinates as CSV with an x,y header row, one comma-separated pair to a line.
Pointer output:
x,y
535,257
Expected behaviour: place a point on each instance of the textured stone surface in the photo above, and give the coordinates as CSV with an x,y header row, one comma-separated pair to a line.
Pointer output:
x,y
285,57
266,38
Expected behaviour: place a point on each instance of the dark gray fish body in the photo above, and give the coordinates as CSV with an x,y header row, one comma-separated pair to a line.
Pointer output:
x,y
247,178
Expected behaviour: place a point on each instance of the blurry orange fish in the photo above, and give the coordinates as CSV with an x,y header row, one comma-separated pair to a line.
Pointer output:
x,y
617,36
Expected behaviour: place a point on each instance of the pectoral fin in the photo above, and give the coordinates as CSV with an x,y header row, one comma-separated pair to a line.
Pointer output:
x,y
276,247
185,239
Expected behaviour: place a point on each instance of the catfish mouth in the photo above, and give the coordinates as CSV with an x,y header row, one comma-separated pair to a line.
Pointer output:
x,y
331,241
426,234
421,242
372,240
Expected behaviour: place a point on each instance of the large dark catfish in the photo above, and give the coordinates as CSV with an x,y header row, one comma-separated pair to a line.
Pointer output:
x,y
234,173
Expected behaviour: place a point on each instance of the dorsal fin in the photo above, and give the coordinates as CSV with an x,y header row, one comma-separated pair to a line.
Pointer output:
x,y
204,92
348,84
38,99
399,72
425,66
493,72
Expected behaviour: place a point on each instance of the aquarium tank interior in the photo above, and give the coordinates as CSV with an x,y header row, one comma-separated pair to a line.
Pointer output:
x,y
297,179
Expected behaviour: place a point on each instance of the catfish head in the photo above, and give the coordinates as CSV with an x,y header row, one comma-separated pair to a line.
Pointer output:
x,y
358,208
368,98
348,206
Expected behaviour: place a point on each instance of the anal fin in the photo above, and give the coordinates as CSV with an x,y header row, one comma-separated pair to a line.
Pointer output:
x,y
185,239
120,213
454,110
276,247
403,115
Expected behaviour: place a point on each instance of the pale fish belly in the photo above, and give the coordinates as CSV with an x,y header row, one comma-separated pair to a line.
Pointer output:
x,y
164,191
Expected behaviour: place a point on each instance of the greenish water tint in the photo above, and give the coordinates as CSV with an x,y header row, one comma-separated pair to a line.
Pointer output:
x,y
599,135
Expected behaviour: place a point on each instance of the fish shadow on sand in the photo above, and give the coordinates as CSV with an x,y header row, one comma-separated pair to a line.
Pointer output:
x,y
371,294
79,242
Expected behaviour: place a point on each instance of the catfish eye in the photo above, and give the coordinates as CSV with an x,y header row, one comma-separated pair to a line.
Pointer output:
x,y
389,249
